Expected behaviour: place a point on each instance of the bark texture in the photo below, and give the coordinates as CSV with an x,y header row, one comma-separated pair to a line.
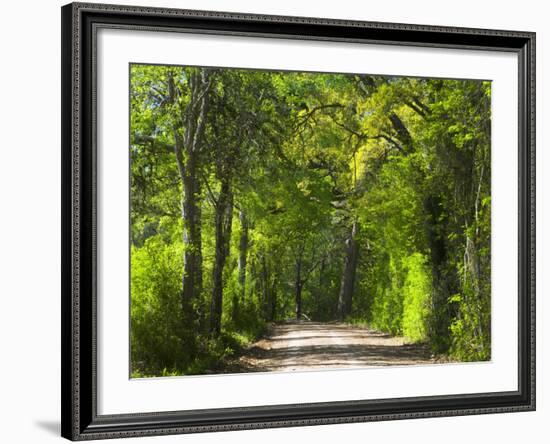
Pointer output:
x,y
347,283
189,143
223,221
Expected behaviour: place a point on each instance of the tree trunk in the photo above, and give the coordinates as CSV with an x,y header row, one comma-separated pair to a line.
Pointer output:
x,y
298,288
320,293
441,317
228,222
192,259
273,296
243,251
265,287
223,216
471,276
347,282
186,149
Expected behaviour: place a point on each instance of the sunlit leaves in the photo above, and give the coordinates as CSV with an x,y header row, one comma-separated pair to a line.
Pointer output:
x,y
306,155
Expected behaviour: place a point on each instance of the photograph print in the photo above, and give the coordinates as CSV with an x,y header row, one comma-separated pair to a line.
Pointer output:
x,y
299,221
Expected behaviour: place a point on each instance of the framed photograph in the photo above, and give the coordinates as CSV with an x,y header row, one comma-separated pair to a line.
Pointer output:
x,y
277,221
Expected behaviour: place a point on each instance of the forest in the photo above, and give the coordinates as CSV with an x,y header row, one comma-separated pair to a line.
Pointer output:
x,y
260,197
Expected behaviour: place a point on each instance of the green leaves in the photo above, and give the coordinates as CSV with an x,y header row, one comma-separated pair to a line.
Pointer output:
x,y
305,155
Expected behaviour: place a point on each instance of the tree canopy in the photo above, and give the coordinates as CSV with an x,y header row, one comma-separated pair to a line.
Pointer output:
x,y
257,196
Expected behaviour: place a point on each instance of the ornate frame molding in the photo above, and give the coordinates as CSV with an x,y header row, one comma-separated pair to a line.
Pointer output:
x,y
79,395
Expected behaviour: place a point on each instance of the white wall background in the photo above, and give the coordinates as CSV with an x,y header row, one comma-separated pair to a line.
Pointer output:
x,y
30,221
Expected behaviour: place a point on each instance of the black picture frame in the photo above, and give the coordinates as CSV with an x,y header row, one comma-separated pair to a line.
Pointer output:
x,y
80,420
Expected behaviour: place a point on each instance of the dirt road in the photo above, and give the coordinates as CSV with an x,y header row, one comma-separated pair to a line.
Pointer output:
x,y
312,345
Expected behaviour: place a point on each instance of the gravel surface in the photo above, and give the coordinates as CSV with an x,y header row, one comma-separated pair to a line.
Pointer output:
x,y
314,345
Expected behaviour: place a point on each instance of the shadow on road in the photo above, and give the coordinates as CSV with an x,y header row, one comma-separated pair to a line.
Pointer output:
x,y
313,345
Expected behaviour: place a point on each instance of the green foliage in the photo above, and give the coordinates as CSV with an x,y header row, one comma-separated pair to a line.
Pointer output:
x,y
416,298
387,308
304,157
156,323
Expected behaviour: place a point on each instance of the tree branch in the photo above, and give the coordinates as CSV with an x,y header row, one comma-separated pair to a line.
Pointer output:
x,y
209,190
140,139
311,113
